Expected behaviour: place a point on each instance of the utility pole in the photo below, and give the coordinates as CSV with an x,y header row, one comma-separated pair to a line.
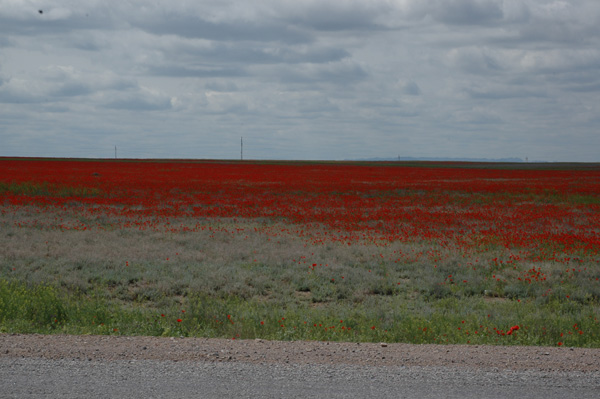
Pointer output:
x,y
241,148
115,152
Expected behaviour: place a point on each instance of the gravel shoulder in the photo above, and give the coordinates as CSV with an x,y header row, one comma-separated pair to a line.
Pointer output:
x,y
107,348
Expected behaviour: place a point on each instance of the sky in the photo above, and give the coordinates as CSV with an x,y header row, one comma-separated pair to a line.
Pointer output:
x,y
301,79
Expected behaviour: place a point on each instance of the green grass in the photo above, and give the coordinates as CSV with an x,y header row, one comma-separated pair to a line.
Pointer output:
x,y
45,309
255,285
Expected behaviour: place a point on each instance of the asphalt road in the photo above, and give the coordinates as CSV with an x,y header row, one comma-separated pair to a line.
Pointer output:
x,y
44,378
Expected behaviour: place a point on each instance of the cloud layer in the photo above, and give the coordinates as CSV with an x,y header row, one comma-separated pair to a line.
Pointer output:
x,y
301,79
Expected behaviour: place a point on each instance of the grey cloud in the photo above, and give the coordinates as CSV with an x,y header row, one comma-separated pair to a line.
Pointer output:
x,y
495,92
234,108
57,83
475,60
191,26
66,81
317,72
235,60
340,73
199,71
88,41
58,73
15,97
410,88
221,86
55,108
338,15
315,55
390,108
578,77
71,89
551,32
552,22
268,21
584,87
246,53
477,116
220,103
108,81
55,20
516,11
140,101
560,60
6,41
19,91
466,12
317,106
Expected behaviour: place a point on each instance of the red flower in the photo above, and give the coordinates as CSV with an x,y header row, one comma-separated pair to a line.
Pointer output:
x,y
179,320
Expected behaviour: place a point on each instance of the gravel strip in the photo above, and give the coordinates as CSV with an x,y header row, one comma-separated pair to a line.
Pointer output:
x,y
109,348
66,378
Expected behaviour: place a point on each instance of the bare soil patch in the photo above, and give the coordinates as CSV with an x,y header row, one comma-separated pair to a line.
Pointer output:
x,y
92,347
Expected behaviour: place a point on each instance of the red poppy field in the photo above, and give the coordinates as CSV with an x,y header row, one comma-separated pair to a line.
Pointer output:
x,y
405,252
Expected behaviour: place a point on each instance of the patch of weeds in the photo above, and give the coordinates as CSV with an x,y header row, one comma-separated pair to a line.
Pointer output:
x,y
438,291
516,291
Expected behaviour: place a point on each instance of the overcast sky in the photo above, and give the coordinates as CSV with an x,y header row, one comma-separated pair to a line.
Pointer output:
x,y
301,79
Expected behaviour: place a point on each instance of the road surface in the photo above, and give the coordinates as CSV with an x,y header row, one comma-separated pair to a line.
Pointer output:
x,y
33,366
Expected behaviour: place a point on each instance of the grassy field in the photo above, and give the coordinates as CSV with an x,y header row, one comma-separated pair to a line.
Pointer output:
x,y
268,278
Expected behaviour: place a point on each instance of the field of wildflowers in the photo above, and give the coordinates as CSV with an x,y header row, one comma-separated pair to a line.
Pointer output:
x,y
404,252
